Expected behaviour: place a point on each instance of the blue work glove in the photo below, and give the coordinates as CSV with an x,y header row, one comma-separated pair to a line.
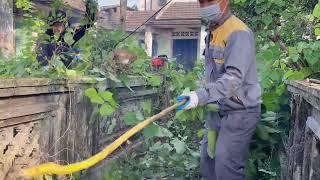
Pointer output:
x,y
192,101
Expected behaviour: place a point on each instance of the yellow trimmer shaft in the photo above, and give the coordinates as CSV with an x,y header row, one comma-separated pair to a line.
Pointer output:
x,y
52,168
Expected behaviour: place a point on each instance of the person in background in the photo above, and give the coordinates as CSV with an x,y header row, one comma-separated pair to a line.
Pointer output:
x,y
231,85
58,25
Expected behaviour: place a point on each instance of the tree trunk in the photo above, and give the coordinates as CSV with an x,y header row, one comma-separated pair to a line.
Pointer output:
x,y
123,13
7,43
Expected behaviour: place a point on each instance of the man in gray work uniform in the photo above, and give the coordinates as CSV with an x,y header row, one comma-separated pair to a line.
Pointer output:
x,y
232,84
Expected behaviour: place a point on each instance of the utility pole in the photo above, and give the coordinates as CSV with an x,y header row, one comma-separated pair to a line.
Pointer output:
x,y
7,37
123,13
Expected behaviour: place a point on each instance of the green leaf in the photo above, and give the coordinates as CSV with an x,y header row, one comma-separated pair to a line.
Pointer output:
x,y
316,11
151,131
147,108
96,99
301,46
158,146
213,107
251,169
91,92
276,75
293,54
108,96
317,31
113,78
280,89
267,20
68,37
154,81
269,114
270,100
47,177
71,73
155,130
312,55
130,119
262,132
294,75
155,146
201,133
164,132
179,146
271,130
265,55
139,116
106,110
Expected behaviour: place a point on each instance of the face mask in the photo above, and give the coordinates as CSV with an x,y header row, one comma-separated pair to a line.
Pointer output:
x,y
211,13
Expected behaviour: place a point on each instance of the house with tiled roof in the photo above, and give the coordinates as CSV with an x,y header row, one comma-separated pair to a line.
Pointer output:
x,y
75,9
175,31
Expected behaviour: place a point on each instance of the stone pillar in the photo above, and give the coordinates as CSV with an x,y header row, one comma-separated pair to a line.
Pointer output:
x,y
7,42
148,40
303,145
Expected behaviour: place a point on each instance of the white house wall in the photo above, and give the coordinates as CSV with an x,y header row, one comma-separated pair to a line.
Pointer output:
x,y
142,6
148,40
165,43
165,37
202,46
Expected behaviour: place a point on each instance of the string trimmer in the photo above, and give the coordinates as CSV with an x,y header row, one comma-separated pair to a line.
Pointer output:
x,y
52,168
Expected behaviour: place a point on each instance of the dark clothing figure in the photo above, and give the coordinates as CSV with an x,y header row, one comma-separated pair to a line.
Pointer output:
x,y
58,22
60,47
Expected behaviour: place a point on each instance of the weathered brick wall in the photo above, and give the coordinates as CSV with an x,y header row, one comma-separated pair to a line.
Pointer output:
x,y
49,120
303,146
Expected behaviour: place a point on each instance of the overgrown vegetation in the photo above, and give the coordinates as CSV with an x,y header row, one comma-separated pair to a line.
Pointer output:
x,y
287,49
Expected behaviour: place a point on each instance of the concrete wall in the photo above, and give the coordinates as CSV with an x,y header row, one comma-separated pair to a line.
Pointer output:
x,y
303,145
45,120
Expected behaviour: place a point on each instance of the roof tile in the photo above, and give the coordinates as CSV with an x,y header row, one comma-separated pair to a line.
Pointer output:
x,y
181,10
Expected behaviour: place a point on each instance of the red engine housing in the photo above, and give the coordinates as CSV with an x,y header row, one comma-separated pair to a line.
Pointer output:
x,y
158,62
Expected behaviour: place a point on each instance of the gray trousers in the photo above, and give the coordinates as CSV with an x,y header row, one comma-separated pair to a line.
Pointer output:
x,y
232,148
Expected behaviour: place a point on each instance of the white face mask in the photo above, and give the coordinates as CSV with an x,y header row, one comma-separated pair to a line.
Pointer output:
x,y
211,13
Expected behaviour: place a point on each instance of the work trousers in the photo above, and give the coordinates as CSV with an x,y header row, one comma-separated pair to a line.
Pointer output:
x,y
235,130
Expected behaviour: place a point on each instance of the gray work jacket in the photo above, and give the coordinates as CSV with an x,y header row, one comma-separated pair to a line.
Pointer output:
x,y
230,63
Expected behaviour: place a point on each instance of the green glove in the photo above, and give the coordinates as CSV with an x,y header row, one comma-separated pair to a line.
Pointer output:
x,y
212,138
213,107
